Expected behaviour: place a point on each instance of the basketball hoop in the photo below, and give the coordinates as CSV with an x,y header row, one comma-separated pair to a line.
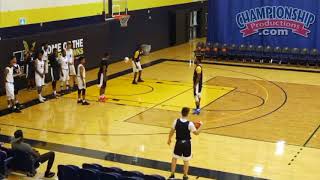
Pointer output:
x,y
123,19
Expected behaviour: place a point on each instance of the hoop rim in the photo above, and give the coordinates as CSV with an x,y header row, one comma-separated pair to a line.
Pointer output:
x,y
120,16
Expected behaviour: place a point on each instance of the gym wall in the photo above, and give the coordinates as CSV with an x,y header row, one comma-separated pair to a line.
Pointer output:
x,y
40,11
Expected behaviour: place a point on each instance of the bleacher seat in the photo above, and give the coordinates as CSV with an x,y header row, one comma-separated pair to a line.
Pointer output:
x,y
132,174
89,174
313,59
109,176
154,177
68,172
294,55
24,162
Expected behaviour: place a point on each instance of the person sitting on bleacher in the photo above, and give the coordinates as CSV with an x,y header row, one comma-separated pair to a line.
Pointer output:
x,y
18,144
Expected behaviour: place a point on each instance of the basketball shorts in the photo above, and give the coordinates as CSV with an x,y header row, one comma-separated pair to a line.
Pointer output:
x,y
64,76
72,70
46,63
39,80
197,92
81,84
136,66
102,81
10,91
55,74
182,150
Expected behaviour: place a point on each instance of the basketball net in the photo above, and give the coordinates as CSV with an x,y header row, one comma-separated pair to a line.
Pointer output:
x,y
123,19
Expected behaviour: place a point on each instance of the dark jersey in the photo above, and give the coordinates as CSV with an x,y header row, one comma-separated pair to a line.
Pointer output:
x,y
182,131
103,65
137,56
54,63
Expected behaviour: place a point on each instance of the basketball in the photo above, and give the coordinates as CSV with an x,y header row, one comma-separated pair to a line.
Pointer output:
x,y
197,124
126,59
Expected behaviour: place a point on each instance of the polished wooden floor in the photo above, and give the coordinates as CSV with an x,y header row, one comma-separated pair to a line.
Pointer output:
x,y
258,122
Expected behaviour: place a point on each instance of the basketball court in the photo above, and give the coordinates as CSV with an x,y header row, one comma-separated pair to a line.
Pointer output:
x,y
247,113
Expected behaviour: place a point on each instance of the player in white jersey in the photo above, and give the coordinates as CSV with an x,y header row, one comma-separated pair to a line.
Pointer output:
x,y
64,76
45,57
72,69
9,84
81,77
39,75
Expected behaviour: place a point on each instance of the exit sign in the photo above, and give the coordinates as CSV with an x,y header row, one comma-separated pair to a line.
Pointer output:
x,y
22,21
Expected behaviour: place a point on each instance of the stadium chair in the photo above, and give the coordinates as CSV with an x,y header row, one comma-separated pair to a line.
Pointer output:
x,y
314,57
294,56
242,52
132,174
132,178
276,58
303,57
285,55
68,172
258,54
154,177
224,51
209,49
111,169
267,54
88,174
110,176
232,52
4,162
250,53
24,162
215,52
92,166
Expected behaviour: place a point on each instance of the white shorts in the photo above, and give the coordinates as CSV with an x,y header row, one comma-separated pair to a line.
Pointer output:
x,y
39,80
81,85
72,70
46,63
197,93
10,91
136,66
65,75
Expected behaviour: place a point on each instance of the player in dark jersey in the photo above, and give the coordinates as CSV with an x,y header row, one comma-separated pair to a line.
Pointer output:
x,y
182,149
102,76
55,70
136,65
197,85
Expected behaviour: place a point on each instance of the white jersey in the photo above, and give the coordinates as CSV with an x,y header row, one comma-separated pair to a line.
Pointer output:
x,y
45,55
9,77
64,62
69,53
40,66
83,71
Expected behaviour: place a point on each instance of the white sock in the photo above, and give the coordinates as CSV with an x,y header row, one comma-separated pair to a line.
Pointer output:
x,y
40,97
55,92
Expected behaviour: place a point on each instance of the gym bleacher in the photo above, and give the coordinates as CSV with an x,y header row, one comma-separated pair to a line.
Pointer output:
x,y
261,54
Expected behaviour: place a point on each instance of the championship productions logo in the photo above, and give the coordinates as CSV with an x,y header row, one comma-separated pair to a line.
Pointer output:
x,y
275,21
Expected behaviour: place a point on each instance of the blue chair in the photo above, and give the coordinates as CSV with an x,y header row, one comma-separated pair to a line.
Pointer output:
x,y
24,163
285,55
111,169
88,174
250,54
132,174
276,58
314,57
242,52
110,176
132,178
294,56
154,177
68,172
267,54
92,166
232,52
303,56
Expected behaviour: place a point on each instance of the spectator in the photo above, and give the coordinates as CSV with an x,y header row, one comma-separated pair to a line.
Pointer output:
x,y
18,144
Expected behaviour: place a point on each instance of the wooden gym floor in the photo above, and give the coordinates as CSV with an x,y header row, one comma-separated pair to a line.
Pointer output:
x,y
258,122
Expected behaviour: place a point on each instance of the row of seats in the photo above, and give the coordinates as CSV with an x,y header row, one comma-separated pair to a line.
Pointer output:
x,y
98,172
262,54
14,160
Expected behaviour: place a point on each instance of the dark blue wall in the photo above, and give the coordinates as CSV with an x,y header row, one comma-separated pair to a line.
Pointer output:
x,y
225,15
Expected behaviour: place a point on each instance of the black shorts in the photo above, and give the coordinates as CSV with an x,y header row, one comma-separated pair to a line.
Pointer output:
x,y
55,74
182,150
104,80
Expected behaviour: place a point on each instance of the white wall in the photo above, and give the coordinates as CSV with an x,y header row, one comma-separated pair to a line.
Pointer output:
x,y
13,5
